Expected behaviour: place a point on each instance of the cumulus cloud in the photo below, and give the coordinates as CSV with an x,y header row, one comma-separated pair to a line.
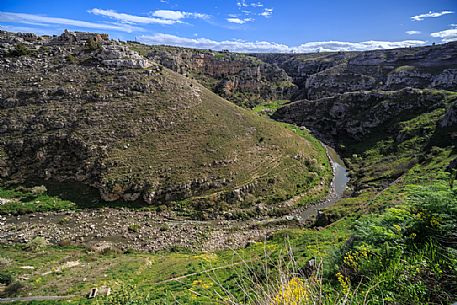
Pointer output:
x,y
430,15
37,19
265,46
413,32
446,35
333,46
239,20
267,13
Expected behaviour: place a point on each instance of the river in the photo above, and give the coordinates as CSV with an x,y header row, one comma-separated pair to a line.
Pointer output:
x,y
337,187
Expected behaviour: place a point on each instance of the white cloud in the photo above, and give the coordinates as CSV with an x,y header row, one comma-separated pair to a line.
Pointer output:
x,y
34,19
446,35
178,15
265,46
267,13
430,15
126,18
244,3
239,20
333,46
413,32
25,29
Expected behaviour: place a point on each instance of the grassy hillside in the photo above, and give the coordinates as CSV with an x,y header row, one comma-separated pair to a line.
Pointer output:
x,y
141,134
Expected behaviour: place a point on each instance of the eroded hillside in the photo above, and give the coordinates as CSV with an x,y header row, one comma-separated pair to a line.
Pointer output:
x,y
82,108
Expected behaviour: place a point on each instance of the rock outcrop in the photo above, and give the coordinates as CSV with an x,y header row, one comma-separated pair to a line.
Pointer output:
x,y
118,56
328,74
355,115
243,79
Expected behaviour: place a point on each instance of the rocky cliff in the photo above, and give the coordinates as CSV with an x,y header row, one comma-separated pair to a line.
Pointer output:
x,y
327,74
240,78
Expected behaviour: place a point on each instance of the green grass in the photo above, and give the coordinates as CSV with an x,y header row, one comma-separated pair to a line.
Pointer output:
x,y
269,107
24,202
148,273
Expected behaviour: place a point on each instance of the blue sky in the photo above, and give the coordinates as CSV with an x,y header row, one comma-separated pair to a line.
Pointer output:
x,y
243,25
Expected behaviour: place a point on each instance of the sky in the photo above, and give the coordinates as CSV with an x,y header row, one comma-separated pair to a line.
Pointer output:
x,y
286,26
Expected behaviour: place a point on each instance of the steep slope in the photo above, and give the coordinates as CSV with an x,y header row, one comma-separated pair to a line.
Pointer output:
x,y
381,134
81,108
240,78
322,75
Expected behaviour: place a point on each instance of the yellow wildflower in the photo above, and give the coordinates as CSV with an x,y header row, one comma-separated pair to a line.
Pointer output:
x,y
294,293
344,282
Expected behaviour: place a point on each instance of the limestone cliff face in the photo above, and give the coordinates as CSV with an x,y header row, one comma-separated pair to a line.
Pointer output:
x,y
242,79
353,116
328,74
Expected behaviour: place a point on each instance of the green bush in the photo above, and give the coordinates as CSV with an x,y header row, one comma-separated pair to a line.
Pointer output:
x,y
71,59
412,244
19,50
93,45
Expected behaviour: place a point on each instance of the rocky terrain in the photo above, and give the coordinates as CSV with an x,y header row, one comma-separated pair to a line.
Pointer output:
x,y
123,229
381,134
327,74
240,78
80,107
354,116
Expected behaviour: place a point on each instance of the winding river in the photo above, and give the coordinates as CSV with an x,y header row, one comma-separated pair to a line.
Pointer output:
x,y
337,187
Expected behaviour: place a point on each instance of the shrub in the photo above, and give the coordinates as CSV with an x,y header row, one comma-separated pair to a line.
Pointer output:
x,y
409,244
36,244
19,50
93,45
134,228
71,59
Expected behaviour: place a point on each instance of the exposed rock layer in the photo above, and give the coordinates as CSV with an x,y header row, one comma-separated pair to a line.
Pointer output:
x,y
327,74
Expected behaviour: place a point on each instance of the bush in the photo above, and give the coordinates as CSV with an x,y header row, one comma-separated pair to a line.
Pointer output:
x,y
36,244
71,59
93,45
134,228
413,243
19,50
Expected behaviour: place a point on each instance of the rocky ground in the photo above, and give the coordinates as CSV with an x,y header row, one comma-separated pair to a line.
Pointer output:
x,y
124,229
149,231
